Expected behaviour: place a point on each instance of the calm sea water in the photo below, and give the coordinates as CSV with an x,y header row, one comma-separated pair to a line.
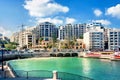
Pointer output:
x,y
92,68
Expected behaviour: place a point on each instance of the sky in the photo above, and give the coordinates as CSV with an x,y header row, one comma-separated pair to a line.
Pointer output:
x,y
14,13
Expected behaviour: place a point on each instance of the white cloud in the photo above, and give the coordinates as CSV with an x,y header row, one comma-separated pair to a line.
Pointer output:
x,y
47,11
43,8
114,11
97,12
52,20
104,22
5,32
70,20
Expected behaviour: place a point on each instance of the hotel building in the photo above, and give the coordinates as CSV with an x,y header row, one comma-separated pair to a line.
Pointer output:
x,y
114,39
94,40
24,37
46,30
94,37
71,32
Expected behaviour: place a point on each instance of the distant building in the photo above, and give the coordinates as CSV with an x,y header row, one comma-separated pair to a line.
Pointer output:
x,y
46,30
4,38
78,44
114,39
1,36
24,37
15,37
94,25
71,32
94,40
94,37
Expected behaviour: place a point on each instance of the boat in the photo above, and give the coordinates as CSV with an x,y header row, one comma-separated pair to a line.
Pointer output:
x,y
93,55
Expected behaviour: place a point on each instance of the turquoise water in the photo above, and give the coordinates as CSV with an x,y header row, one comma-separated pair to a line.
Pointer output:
x,y
93,68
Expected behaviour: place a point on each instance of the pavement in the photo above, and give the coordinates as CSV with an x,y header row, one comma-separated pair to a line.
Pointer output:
x,y
6,75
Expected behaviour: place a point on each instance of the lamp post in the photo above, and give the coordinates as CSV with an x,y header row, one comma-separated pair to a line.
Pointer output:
x,y
2,49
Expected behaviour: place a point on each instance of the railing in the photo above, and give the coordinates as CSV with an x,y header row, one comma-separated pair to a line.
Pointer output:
x,y
70,76
43,74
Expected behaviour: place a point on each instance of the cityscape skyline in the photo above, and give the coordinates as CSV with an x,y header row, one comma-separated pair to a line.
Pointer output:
x,y
59,12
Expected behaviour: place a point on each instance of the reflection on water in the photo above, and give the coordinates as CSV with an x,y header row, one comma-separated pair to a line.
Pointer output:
x,y
86,66
93,68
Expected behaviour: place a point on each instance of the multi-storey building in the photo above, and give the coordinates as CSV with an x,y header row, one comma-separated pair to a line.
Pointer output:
x,y
77,44
24,37
46,30
94,26
15,37
71,32
94,37
114,39
94,40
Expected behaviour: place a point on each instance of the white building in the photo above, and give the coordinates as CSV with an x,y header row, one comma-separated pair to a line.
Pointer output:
x,y
94,40
94,37
71,32
15,37
94,26
113,39
26,37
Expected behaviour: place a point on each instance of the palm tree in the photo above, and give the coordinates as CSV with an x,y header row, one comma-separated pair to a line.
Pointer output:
x,y
81,36
54,40
30,45
41,39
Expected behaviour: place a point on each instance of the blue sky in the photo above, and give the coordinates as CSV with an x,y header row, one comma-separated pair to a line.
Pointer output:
x,y
14,13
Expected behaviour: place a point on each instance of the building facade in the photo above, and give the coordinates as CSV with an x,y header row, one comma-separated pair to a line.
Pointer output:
x,y
15,37
71,32
114,39
94,40
24,38
46,30
78,44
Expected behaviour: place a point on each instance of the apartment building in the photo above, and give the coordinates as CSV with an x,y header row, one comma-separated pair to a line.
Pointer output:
x,y
94,37
24,38
15,37
94,40
114,39
71,32
46,30
78,44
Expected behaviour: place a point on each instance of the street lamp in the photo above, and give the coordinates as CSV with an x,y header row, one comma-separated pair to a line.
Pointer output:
x,y
2,49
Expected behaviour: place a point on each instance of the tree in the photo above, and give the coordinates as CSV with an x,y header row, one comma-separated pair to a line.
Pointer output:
x,y
14,43
30,45
81,36
45,47
54,40
10,46
41,39
24,47
64,46
49,46
71,44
